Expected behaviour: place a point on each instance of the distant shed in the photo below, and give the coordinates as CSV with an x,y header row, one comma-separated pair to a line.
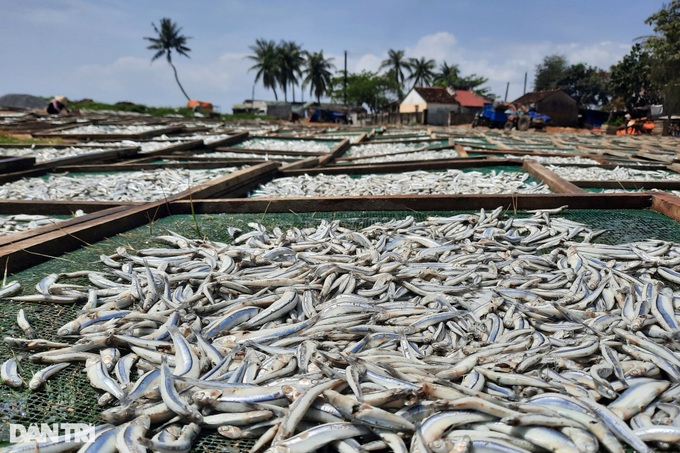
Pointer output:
x,y
562,108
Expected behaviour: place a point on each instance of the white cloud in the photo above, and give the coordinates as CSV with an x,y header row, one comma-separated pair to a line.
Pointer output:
x,y
366,62
441,46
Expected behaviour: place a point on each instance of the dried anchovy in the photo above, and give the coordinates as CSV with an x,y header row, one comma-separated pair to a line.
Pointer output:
x,y
474,329
43,154
615,174
285,145
414,182
148,185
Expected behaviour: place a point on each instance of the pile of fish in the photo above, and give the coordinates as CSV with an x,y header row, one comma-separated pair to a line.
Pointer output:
x,y
246,155
409,156
111,129
353,138
47,153
147,185
17,223
396,152
307,146
406,183
475,332
616,174
207,138
150,145
553,159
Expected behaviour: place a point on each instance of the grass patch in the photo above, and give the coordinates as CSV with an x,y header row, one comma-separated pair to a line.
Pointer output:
x,y
23,139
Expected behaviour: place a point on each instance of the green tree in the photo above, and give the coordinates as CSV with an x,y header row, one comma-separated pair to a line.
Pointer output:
x,y
267,63
474,83
291,59
664,46
550,72
631,82
587,84
447,75
318,75
167,39
366,88
422,71
395,64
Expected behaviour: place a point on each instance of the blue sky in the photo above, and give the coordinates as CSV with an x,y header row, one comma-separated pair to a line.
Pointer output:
x,y
95,49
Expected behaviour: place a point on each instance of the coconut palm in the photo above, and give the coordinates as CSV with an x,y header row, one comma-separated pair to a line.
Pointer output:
x,y
168,39
422,71
396,63
447,75
267,63
291,57
318,75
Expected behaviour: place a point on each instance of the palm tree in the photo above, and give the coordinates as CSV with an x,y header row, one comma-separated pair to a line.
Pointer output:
x,y
267,63
422,71
168,39
317,74
396,63
447,75
291,58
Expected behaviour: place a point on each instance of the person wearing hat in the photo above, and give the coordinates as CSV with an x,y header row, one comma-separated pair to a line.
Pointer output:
x,y
58,105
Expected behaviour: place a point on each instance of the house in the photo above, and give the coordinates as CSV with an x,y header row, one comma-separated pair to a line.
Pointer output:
x,y
440,104
562,108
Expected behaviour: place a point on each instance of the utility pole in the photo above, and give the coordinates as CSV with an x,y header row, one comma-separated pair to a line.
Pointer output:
x,y
525,83
507,87
345,84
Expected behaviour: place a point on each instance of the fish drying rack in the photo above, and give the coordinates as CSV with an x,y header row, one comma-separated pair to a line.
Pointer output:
x,y
214,206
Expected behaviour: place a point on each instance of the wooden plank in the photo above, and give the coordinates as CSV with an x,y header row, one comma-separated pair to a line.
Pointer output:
x,y
460,149
451,202
304,163
272,152
104,137
337,151
552,180
399,153
102,156
188,145
235,184
57,207
407,166
66,223
11,163
228,141
409,139
666,204
630,184
674,167
34,250
657,157
154,166
15,176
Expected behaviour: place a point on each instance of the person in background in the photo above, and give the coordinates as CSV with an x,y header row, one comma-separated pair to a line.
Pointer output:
x,y
58,106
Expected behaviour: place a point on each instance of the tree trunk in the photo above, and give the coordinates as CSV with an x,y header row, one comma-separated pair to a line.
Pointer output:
x,y
177,79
